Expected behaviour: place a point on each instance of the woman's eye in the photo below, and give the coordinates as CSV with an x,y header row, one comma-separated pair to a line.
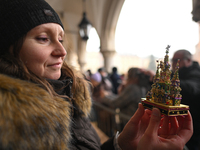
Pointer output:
x,y
42,39
61,41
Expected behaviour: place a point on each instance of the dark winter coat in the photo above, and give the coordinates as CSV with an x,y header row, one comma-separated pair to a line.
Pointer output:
x,y
190,85
31,119
116,81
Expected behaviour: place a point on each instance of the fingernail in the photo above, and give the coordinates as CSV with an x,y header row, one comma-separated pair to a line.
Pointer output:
x,y
156,112
140,106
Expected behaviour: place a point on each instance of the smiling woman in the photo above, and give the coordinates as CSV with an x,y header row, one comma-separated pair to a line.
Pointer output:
x,y
43,52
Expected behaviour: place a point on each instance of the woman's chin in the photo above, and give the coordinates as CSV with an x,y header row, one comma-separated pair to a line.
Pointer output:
x,y
53,76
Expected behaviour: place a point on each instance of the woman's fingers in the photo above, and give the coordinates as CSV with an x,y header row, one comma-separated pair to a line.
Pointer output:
x,y
145,121
154,123
135,119
173,126
164,128
185,127
131,128
131,131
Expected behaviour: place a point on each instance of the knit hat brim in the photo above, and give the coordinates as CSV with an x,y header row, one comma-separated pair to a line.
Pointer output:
x,y
20,16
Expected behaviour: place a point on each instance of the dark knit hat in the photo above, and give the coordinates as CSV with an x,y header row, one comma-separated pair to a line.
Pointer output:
x,y
17,17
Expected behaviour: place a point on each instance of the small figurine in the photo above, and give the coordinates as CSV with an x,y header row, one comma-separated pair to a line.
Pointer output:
x,y
165,92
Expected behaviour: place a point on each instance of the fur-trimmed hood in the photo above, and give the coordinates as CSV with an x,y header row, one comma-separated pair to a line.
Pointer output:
x,y
82,99
30,118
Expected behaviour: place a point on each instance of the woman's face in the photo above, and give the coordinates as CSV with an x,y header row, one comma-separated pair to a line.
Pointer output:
x,y
42,51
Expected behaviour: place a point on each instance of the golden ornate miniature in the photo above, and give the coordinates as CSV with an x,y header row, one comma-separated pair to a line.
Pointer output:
x,y
165,92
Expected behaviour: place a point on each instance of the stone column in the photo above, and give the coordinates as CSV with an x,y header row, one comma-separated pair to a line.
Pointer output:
x,y
108,59
196,56
71,46
82,55
196,18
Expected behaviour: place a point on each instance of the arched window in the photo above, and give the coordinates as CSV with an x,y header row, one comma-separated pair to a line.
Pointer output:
x,y
146,27
93,43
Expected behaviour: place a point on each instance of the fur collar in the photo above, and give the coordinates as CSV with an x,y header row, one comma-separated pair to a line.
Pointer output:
x,y
30,118
81,98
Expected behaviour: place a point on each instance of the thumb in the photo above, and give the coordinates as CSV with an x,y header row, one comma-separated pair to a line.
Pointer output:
x,y
154,122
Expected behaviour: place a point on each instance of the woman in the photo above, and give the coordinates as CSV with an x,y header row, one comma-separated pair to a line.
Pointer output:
x,y
45,104
129,97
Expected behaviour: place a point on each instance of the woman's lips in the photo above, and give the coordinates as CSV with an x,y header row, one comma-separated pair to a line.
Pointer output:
x,y
56,65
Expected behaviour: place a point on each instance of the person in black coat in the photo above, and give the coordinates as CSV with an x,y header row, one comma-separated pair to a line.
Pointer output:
x,y
115,79
189,75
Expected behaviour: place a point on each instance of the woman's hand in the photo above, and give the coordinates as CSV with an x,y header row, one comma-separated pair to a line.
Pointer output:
x,y
173,133
147,130
134,129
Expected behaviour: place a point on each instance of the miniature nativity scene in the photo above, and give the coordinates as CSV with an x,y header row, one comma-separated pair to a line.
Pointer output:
x,y
165,90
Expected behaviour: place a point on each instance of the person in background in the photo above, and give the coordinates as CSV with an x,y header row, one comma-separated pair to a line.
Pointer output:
x,y
88,74
131,94
45,103
98,91
115,79
189,75
145,80
106,83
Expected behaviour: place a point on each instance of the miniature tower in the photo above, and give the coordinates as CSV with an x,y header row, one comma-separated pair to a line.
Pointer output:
x,y
153,93
167,76
165,81
164,90
175,87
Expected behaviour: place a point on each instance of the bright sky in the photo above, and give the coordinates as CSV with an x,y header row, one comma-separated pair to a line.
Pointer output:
x,y
146,27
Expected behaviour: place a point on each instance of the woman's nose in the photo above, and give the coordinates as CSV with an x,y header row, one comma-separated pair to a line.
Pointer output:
x,y
59,50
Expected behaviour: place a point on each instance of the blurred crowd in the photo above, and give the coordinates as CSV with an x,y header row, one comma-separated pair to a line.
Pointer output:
x,y
120,91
